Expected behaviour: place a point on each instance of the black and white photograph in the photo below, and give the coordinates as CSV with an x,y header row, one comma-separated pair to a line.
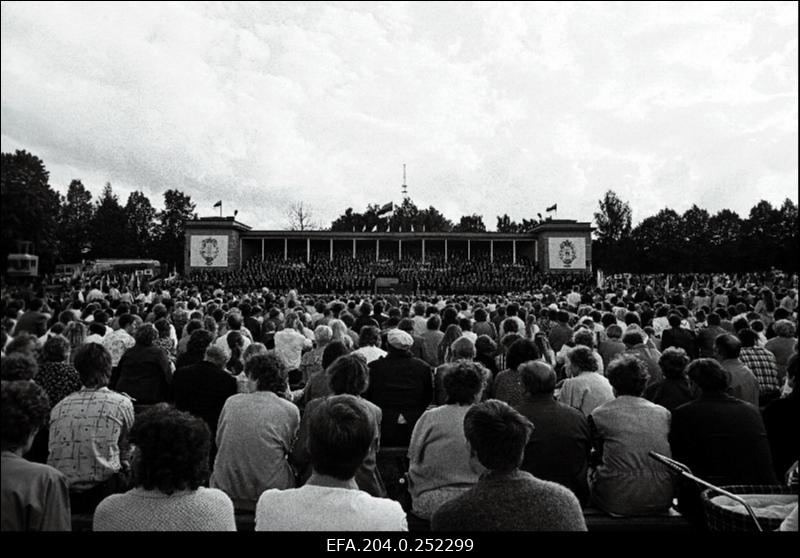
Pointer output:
x,y
405,276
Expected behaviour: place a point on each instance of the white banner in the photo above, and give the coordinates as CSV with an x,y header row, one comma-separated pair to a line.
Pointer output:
x,y
208,251
567,253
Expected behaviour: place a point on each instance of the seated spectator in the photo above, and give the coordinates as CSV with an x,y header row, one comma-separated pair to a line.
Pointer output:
x,y
22,343
762,364
712,434
347,375
402,386
235,353
678,336
202,389
145,372
635,344
781,419
165,341
34,497
255,435
56,375
196,347
507,386
462,350
167,475
506,498
431,339
584,389
627,480
485,351
439,463
783,345
368,342
673,391
707,335
558,449
89,433
18,366
311,361
341,433
120,340
743,383
452,333
318,384
612,345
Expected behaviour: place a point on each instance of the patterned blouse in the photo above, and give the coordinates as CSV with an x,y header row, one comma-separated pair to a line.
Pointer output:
x,y
58,379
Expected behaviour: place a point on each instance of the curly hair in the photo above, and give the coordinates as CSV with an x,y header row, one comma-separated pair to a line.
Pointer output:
x,y
628,375
268,372
784,328
348,374
462,382
171,450
709,375
199,340
582,359
673,362
146,335
22,342
25,408
18,366
56,349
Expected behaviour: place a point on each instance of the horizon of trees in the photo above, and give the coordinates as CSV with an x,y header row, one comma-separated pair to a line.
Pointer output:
x,y
72,227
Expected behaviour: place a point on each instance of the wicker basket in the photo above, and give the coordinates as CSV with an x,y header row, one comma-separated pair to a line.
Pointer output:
x,y
719,518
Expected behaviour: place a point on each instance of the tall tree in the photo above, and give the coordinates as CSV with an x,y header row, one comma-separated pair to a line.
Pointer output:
x,y
77,213
301,218
761,237
108,235
470,223
29,208
506,225
788,257
433,221
725,236
697,247
178,208
613,233
140,225
659,242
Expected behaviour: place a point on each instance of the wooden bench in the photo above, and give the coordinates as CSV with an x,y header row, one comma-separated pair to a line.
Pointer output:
x,y
600,521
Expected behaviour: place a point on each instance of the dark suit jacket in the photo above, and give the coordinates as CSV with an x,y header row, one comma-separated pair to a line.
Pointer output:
x,y
723,441
144,374
558,449
705,340
781,418
202,389
400,385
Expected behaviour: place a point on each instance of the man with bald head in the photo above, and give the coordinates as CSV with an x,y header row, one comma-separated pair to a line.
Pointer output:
x,y
558,449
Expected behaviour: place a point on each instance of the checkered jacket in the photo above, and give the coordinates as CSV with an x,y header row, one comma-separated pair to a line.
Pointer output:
x,y
763,365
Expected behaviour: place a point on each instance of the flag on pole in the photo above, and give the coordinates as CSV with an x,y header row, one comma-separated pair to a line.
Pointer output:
x,y
552,207
218,204
386,208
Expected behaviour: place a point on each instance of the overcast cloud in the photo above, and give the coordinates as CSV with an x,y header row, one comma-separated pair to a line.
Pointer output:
x,y
495,108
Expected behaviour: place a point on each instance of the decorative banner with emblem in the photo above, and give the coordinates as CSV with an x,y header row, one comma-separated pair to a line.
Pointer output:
x,y
208,250
567,253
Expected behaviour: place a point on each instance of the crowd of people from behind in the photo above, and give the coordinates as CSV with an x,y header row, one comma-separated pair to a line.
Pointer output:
x,y
177,407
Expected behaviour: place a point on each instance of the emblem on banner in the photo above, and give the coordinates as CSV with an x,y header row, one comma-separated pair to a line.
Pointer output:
x,y
209,250
567,253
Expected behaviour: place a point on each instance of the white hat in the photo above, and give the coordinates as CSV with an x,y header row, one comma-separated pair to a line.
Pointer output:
x,y
399,339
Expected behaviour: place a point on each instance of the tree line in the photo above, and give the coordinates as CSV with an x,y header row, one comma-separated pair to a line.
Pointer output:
x,y
695,241
74,227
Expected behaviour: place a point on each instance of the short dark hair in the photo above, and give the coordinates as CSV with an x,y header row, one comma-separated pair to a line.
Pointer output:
x,y
537,377
675,320
170,463
613,331
498,434
673,362
728,345
434,322
93,363
714,319
462,382
199,340
582,358
341,433
485,345
127,319
748,337
633,337
628,375
522,350
332,351
369,335
18,366
146,335
708,374
348,374
25,408
269,373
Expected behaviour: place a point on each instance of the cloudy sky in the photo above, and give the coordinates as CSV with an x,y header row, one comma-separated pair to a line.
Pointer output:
x,y
495,108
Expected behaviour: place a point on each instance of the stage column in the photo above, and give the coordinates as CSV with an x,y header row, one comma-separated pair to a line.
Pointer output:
x,y
445,249
423,250
491,250
308,249
399,248
514,248
331,249
263,240
377,249
354,248
469,249
285,249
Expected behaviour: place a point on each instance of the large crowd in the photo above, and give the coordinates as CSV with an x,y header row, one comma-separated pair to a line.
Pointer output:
x,y
183,404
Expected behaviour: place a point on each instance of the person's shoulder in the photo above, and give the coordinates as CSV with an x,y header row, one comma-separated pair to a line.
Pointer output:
x,y
214,496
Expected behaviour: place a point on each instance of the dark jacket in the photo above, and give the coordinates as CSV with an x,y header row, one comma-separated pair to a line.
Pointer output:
x,y
202,389
723,441
681,338
705,340
402,386
669,393
144,373
558,449
781,418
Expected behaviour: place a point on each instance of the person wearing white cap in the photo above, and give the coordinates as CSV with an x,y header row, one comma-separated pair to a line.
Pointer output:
x,y
402,386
